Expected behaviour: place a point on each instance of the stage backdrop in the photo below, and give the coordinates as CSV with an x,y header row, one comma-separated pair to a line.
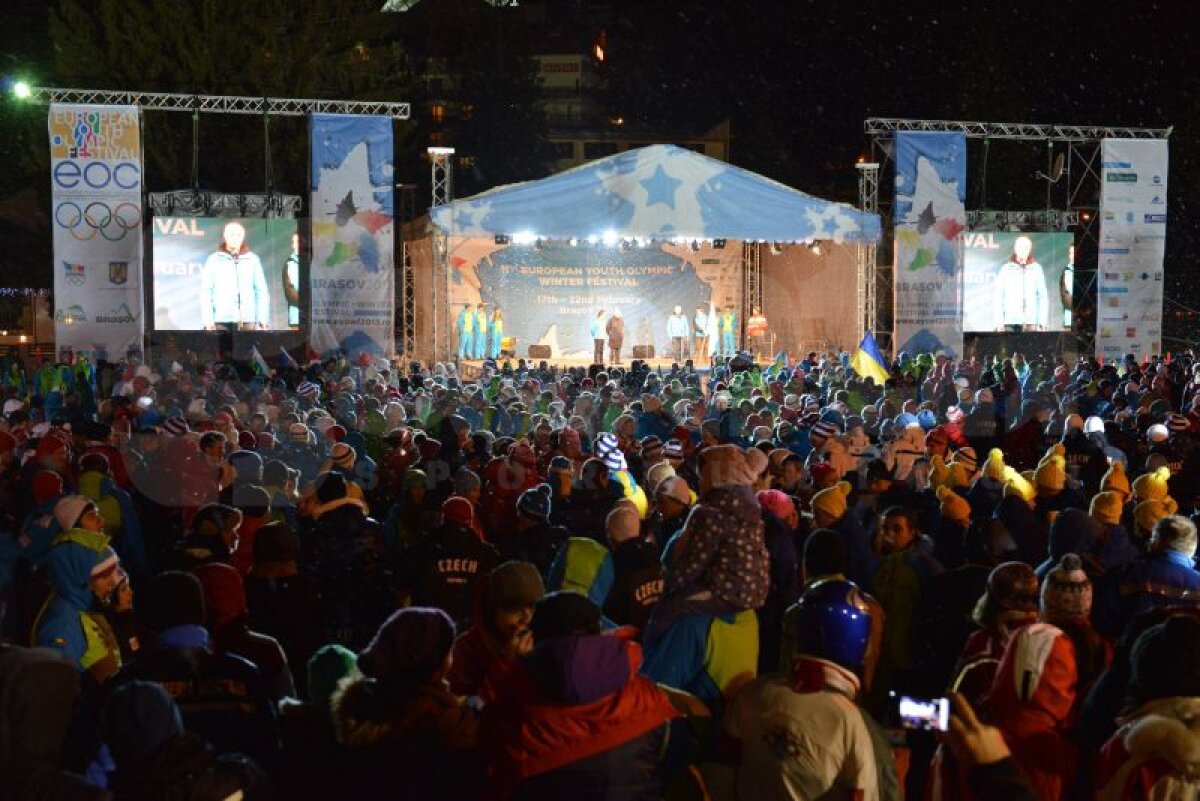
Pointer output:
x,y
1133,233
549,294
96,197
352,248
809,300
929,220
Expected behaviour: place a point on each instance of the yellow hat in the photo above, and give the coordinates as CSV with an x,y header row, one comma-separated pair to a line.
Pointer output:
x,y
939,472
1115,480
832,500
1057,449
1147,513
993,468
1018,486
1051,473
1107,507
954,506
1152,486
960,475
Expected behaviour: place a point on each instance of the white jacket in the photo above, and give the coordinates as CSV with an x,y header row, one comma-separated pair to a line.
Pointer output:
x,y
234,290
1021,297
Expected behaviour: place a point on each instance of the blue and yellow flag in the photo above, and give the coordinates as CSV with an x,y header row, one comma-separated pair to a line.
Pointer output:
x,y
868,361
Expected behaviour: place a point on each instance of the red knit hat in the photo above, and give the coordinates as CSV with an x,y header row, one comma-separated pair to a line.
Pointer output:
x,y
458,510
46,485
335,433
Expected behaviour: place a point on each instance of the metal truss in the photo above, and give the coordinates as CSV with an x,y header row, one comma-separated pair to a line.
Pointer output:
x,y
406,345
198,203
752,289
865,253
1039,219
441,166
877,126
219,104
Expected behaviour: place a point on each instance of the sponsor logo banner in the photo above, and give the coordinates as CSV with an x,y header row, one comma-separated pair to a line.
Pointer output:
x,y
930,221
353,304
1130,280
97,215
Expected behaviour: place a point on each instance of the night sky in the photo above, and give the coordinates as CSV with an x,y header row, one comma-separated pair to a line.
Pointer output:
x,y
797,78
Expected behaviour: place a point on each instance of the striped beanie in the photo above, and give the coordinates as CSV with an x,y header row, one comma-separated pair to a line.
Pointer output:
x,y
609,452
342,456
822,431
176,426
308,388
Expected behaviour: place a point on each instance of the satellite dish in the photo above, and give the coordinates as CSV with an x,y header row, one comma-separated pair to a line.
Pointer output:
x,y
1057,170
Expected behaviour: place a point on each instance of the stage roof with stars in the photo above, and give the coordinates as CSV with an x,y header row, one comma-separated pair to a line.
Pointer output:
x,y
657,192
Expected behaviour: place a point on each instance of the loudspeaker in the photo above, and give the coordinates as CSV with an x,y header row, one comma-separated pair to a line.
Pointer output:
x,y
539,351
643,351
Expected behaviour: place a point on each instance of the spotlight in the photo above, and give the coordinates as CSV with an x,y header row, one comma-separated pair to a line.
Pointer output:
x,y
22,90
815,247
524,238
609,238
719,244
502,239
573,242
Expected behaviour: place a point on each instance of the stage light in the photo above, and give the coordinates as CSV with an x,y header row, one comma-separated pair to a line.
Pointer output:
x,y
776,248
501,239
593,239
524,238
609,238
815,247
719,244
573,241
22,90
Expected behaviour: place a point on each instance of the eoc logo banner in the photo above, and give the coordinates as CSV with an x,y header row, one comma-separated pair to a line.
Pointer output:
x,y
930,214
1133,242
96,209
352,217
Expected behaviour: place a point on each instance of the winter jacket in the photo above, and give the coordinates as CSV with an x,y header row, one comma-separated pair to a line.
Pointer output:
x,y
221,696
899,586
615,329
1158,579
784,589
1086,461
347,550
625,583
71,623
943,624
570,700
443,570
289,609
1150,755
418,746
711,657
121,520
233,289
802,736
721,549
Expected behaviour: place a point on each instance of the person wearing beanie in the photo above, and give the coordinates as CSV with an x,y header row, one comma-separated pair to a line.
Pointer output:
x,y
986,492
1009,603
221,697
718,563
398,716
536,539
609,451
1147,514
625,579
1165,575
1085,459
1152,485
1115,547
575,718
829,510
673,498
229,630
781,519
499,631
443,569
87,581
1115,480
1148,756
1056,490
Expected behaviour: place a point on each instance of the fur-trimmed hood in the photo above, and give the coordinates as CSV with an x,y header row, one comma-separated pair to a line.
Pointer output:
x,y
363,716
1167,729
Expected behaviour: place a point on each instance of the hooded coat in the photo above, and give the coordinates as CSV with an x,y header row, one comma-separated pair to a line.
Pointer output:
x,y
71,623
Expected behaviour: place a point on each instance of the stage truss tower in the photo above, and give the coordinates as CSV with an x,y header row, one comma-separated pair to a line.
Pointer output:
x,y
752,289
865,254
441,166
1077,201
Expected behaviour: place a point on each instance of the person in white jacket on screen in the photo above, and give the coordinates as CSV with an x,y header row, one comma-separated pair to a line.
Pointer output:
x,y
233,290
1023,303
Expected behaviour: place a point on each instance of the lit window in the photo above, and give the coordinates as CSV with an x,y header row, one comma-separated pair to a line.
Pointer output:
x,y
438,113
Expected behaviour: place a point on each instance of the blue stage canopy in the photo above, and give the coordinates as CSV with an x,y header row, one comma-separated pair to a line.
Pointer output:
x,y
658,192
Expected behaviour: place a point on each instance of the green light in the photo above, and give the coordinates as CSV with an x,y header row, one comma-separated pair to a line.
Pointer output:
x,y
22,90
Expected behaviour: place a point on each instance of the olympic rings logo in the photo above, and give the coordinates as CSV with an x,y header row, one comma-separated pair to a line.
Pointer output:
x,y
110,222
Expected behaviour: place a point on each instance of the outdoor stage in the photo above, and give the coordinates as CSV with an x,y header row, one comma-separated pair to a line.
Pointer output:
x,y
472,368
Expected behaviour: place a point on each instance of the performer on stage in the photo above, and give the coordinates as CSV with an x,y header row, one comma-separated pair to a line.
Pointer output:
x,y
466,331
598,336
677,330
1024,304
700,332
233,288
481,332
756,331
616,335
495,334
728,326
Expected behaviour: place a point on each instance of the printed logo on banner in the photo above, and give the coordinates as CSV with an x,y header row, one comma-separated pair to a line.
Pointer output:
x,y
112,221
1121,177
118,272
121,314
93,132
74,274
71,314
1155,218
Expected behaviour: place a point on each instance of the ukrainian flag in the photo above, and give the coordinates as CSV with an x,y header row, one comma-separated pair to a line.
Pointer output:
x,y
259,363
868,361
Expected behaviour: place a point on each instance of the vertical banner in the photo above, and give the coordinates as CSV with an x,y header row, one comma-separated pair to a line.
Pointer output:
x,y
352,243
1133,239
930,216
96,203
